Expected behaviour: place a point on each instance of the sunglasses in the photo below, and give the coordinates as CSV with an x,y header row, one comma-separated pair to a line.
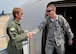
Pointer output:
x,y
48,10
21,13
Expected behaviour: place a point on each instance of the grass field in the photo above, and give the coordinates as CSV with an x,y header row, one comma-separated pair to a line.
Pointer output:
x,y
3,40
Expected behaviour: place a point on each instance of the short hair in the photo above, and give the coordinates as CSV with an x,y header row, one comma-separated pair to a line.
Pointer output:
x,y
51,4
16,10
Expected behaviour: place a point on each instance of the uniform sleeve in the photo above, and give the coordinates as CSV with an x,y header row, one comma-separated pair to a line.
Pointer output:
x,y
40,27
67,28
14,35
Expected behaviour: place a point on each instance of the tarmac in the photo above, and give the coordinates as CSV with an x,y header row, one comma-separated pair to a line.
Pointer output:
x,y
3,37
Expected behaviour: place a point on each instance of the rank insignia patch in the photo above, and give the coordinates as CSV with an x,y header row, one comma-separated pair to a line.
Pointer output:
x,y
12,29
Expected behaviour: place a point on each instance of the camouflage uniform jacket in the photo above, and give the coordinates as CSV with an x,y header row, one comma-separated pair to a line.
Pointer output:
x,y
55,29
16,34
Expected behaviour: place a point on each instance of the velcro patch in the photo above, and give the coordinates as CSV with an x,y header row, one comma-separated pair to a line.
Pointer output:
x,y
12,29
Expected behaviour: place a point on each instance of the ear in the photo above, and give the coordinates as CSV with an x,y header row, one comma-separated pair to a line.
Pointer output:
x,y
16,14
46,15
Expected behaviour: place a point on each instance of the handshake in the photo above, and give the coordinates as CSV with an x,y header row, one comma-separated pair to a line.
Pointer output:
x,y
30,35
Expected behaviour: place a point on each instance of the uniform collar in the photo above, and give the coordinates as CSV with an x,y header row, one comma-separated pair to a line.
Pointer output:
x,y
17,22
55,19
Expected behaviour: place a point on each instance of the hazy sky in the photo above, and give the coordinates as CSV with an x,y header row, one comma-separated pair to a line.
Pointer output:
x,y
7,5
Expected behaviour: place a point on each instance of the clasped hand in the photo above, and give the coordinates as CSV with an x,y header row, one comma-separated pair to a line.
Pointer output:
x,y
30,34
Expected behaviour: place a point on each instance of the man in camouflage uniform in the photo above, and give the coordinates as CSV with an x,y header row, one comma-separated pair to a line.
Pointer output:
x,y
15,33
55,34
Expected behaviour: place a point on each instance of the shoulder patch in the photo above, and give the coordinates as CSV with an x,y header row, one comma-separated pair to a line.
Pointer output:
x,y
12,29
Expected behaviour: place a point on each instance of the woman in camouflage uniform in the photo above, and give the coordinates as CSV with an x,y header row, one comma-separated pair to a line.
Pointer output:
x,y
15,33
